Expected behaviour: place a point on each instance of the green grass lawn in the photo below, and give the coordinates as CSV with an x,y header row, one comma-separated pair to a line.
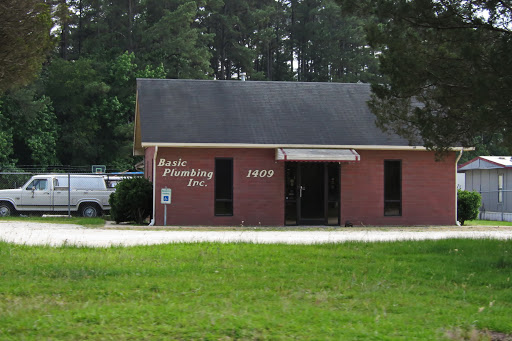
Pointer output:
x,y
86,222
353,291
487,223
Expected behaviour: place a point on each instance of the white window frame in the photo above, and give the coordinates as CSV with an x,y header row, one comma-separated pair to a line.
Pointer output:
x,y
500,188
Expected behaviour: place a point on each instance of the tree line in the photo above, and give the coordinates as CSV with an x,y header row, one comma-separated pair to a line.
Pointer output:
x,y
80,108
68,67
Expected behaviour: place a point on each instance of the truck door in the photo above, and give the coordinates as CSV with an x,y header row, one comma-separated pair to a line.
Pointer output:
x,y
36,195
60,193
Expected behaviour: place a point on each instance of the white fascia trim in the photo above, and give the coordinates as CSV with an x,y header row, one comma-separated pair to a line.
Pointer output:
x,y
154,184
243,145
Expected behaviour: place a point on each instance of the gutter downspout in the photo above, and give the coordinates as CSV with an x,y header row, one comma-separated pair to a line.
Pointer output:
x,y
456,192
152,223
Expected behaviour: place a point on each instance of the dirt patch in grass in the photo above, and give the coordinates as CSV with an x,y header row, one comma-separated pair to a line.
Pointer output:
x,y
496,336
477,335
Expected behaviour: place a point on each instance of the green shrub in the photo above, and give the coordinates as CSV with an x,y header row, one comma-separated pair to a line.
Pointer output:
x,y
468,204
132,200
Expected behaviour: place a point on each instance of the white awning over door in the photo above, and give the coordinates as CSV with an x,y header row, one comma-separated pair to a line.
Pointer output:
x,y
318,155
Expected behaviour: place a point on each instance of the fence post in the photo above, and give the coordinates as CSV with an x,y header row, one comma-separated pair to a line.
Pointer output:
x,y
69,195
503,204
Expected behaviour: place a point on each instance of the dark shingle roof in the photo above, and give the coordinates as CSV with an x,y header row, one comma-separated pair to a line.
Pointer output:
x,y
273,113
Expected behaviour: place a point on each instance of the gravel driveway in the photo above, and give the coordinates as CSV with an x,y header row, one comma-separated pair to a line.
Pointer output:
x,y
63,234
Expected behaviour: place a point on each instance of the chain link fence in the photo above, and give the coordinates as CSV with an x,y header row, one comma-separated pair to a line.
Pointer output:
x,y
62,193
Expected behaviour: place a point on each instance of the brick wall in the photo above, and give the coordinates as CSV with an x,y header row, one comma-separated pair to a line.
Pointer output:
x,y
428,188
256,200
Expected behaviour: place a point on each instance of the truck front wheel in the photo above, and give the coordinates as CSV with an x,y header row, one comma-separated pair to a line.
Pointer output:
x,y
6,209
90,210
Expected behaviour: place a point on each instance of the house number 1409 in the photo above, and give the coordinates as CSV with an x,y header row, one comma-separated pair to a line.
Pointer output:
x,y
256,173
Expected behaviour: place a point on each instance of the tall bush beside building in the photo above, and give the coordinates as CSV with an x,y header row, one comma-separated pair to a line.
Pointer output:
x,y
132,200
468,204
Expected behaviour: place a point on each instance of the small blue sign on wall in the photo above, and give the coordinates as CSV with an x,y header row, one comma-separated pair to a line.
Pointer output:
x,y
166,196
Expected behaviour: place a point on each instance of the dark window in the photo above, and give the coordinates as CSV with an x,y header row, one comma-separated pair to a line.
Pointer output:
x,y
223,186
392,188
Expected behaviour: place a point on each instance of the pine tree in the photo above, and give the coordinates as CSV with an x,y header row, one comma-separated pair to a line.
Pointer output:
x,y
24,41
448,70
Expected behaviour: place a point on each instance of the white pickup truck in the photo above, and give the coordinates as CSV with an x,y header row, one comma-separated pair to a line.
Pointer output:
x,y
88,195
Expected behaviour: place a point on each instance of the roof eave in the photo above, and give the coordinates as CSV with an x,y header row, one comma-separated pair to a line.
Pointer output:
x,y
256,146
461,168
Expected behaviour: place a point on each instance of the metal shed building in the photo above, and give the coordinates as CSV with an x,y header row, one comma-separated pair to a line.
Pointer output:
x,y
491,176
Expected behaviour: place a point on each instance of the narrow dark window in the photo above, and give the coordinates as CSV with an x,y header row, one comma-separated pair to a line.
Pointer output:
x,y
392,188
223,187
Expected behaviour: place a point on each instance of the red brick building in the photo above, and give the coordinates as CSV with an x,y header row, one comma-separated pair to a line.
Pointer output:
x,y
283,153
